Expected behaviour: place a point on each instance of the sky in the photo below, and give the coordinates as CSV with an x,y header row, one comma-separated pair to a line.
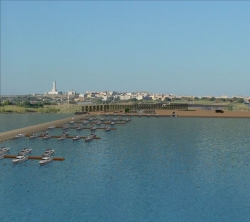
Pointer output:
x,y
180,47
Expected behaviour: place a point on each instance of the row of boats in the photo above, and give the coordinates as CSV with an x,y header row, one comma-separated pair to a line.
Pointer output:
x,y
22,155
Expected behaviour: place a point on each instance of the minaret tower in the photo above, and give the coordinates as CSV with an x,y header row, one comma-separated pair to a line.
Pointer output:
x,y
54,87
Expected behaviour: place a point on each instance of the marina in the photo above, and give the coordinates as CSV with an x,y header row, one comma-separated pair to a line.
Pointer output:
x,y
174,162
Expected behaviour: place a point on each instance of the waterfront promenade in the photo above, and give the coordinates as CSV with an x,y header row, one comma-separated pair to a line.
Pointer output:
x,y
36,128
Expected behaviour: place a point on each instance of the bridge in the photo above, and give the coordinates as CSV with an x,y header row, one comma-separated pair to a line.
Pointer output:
x,y
134,106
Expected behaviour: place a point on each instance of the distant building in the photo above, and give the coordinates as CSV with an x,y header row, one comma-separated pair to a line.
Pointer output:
x,y
54,90
71,93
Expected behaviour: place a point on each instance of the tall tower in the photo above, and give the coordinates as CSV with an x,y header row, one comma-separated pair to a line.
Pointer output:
x,y
54,87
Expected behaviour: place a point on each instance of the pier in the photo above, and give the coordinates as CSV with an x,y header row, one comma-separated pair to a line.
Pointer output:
x,y
35,157
36,128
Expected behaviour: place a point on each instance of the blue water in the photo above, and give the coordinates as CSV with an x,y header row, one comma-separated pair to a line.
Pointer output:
x,y
150,169
14,121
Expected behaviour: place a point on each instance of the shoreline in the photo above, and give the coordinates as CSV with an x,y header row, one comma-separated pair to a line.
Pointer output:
x,y
165,113
187,113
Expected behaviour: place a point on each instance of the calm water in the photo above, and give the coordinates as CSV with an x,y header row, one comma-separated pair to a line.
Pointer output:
x,y
150,169
15,121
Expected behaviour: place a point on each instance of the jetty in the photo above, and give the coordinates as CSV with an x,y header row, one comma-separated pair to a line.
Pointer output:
x,y
35,157
36,128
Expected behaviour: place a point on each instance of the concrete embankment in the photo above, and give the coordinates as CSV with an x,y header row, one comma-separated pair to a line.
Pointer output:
x,y
36,128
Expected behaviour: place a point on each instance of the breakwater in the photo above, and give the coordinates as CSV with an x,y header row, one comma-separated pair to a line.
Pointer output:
x,y
36,128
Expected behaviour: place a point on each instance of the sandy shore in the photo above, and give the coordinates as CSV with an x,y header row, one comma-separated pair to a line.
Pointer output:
x,y
193,113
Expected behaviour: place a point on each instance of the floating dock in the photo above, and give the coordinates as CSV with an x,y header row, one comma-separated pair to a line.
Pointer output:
x,y
35,157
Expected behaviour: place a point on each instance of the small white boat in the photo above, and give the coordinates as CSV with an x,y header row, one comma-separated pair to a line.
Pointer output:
x,y
65,133
51,127
98,123
20,135
62,137
78,128
76,138
112,123
127,119
45,160
71,122
33,136
46,137
90,137
108,128
84,122
25,151
19,159
102,119
92,128
49,152
4,150
65,127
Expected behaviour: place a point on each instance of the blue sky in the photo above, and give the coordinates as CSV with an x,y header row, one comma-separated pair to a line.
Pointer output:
x,y
183,47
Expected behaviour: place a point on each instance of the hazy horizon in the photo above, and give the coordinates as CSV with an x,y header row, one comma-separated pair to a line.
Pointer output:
x,y
183,48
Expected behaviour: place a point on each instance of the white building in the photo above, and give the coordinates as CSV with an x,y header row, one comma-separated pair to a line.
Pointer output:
x,y
54,90
71,93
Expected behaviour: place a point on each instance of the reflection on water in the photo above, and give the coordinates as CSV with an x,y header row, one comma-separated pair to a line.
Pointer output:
x,y
150,169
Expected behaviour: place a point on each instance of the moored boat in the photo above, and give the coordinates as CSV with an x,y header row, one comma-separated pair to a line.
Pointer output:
x,y
4,150
76,138
62,137
78,128
47,137
92,128
49,152
108,128
90,137
19,159
25,150
20,135
65,127
65,133
33,136
45,160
